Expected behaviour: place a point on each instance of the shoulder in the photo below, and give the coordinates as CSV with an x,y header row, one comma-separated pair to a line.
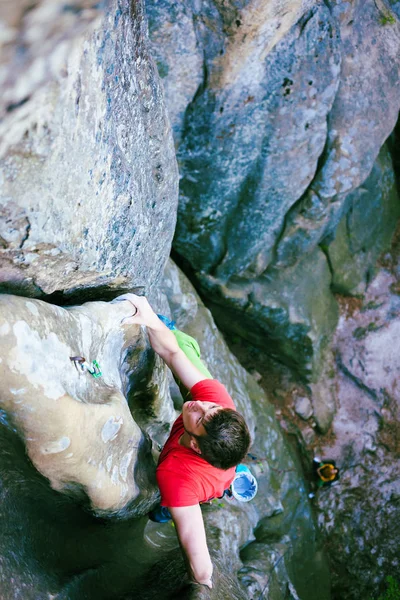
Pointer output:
x,y
212,390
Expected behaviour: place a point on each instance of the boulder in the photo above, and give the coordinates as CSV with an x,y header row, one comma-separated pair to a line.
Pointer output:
x,y
303,407
50,545
77,426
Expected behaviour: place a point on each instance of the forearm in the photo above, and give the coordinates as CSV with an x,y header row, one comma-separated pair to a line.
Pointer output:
x,y
162,340
192,538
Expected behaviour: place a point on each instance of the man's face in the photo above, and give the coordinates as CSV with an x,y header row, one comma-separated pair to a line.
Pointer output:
x,y
195,413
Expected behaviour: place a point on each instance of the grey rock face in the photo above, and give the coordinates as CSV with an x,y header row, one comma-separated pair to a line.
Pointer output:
x,y
88,169
94,560
89,191
178,55
285,126
290,313
324,393
363,115
241,144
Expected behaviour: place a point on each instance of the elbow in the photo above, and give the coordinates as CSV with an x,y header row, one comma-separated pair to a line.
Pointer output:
x,y
203,575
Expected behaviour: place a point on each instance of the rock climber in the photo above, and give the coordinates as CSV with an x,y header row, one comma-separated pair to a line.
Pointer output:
x,y
206,442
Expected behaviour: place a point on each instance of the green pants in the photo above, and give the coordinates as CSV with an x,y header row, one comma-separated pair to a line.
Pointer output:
x,y
192,350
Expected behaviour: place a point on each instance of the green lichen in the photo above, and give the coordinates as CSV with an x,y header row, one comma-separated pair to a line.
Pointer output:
x,y
393,590
361,332
387,20
372,305
163,69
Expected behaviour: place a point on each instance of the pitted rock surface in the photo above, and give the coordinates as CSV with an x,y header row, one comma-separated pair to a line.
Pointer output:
x,y
366,229
246,136
279,112
363,115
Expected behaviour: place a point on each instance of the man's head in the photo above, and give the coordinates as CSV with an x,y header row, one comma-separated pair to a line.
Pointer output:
x,y
219,434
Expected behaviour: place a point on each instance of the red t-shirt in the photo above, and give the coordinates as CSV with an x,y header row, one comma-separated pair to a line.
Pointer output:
x,y
183,476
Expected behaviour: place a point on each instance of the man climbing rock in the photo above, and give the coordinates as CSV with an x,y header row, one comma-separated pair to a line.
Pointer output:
x,y
206,442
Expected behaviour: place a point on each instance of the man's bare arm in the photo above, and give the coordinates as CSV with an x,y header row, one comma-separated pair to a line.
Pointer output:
x,y
192,537
163,342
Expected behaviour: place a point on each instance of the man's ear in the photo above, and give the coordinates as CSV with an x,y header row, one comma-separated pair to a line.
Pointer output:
x,y
194,445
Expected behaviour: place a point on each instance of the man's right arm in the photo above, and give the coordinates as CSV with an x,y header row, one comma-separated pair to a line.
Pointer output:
x,y
192,537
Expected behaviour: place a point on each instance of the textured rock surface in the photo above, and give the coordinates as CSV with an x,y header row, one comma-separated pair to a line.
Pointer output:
x,y
240,146
89,181
214,43
93,560
50,402
285,126
355,421
279,111
290,313
363,115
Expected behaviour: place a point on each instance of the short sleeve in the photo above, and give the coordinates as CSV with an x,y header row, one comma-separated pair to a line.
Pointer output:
x,y
175,489
211,390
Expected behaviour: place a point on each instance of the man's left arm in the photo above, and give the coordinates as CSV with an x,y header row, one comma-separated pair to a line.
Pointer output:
x,y
192,537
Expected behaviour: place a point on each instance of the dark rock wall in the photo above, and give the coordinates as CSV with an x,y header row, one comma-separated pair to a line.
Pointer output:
x,y
288,197
287,121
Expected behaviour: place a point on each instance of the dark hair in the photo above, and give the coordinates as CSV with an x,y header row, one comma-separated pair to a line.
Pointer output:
x,y
227,439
